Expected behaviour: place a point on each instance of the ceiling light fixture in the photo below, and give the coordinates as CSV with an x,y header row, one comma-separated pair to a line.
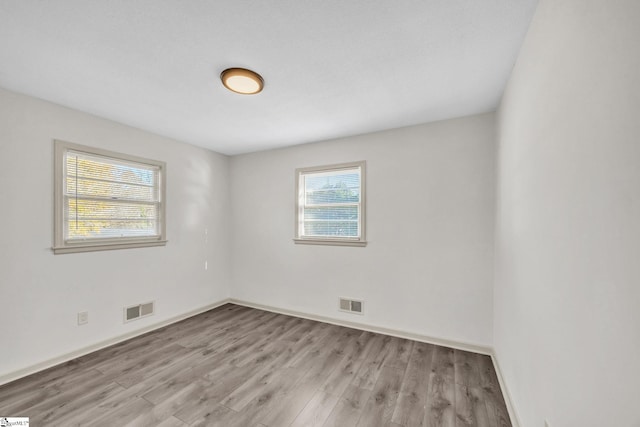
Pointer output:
x,y
241,80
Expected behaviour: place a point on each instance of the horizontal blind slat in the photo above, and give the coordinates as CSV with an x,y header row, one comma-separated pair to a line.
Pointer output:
x,y
86,165
331,204
108,198
112,180
101,189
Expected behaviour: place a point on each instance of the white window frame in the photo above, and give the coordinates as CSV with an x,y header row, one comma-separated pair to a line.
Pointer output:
x,y
61,245
299,206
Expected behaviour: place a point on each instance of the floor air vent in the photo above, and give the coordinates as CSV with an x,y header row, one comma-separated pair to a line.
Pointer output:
x,y
351,305
137,311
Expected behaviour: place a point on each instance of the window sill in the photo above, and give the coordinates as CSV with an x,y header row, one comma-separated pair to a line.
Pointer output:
x,y
70,249
330,242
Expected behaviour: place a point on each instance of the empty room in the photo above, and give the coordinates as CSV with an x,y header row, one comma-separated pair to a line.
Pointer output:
x,y
320,213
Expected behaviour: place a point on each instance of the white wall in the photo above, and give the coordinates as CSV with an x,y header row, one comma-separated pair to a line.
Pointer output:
x,y
41,293
428,266
567,296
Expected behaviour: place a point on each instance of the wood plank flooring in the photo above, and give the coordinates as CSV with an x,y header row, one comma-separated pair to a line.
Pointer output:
x,y
238,366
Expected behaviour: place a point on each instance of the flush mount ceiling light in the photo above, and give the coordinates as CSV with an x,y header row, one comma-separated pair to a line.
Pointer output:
x,y
241,80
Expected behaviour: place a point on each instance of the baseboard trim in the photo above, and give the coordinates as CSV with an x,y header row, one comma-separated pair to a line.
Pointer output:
x,y
515,421
371,328
12,376
489,351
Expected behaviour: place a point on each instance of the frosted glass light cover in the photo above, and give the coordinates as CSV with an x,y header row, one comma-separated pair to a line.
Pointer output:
x,y
242,81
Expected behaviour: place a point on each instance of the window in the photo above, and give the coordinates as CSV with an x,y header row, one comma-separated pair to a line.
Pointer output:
x,y
330,205
106,200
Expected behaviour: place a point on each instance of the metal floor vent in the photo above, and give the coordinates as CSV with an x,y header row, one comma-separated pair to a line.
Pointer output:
x,y
351,305
137,311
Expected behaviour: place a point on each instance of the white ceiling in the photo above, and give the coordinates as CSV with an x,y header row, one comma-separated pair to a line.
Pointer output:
x,y
332,68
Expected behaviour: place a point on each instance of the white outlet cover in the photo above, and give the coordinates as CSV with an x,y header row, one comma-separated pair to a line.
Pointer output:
x,y
83,318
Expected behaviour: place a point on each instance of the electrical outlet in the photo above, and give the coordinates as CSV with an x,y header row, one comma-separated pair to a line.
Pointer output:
x,y
83,318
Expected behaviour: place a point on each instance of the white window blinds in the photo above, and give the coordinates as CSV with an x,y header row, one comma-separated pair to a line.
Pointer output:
x,y
108,200
330,203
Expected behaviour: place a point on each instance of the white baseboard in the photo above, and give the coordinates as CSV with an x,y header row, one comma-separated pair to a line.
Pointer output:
x,y
371,328
515,421
12,376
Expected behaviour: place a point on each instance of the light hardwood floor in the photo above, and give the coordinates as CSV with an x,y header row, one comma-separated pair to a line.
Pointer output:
x,y
238,366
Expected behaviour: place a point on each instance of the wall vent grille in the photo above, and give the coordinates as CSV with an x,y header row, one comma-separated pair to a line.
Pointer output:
x,y
137,311
351,305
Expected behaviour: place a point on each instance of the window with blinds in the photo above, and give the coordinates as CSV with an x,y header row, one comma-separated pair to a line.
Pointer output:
x,y
107,200
330,205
